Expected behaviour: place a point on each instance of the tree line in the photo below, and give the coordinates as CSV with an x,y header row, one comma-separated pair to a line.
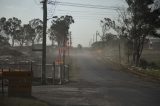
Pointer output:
x,y
12,32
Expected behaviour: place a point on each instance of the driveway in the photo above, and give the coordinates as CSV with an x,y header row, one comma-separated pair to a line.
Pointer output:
x,y
99,84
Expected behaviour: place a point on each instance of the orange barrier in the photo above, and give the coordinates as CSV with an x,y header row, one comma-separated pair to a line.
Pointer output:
x,y
58,62
20,82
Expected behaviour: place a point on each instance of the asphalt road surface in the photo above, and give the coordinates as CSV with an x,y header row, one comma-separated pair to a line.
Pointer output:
x,y
98,83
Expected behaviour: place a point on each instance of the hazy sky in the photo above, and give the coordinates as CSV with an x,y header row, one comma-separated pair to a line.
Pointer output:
x,y
87,20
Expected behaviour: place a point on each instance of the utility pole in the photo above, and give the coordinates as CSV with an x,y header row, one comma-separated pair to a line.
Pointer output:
x,y
44,41
70,42
119,48
96,35
93,38
91,42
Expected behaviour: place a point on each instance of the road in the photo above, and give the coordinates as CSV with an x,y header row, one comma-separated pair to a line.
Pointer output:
x,y
98,83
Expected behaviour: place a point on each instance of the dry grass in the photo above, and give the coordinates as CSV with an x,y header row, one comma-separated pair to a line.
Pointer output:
x,y
152,56
10,101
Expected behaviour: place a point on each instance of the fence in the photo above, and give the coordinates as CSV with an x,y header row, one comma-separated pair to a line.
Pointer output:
x,y
16,79
55,73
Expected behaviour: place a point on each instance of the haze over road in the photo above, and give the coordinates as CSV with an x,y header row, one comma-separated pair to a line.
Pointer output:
x,y
100,84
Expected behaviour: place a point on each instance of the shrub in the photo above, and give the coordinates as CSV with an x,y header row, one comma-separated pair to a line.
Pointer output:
x,y
153,65
143,63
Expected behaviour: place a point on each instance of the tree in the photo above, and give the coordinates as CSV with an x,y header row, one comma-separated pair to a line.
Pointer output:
x,y
11,27
106,25
60,27
29,34
52,36
144,23
25,35
19,37
37,26
2,23
123,28
108,37
3,41
136,24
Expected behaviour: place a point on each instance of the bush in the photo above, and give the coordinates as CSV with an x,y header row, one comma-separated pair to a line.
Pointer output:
x,y
143,63
153,65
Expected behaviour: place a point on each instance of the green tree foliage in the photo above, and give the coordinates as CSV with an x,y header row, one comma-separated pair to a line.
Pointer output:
x,y
37,25
2,23
19,37
52,36
135,25
144,23
3,38
106,25
29,34
60,27
3,41
108,37
11,27
25,35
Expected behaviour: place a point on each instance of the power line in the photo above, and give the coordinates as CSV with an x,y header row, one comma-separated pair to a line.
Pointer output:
x,y
53,10
83,5
92,15
80,11
87,12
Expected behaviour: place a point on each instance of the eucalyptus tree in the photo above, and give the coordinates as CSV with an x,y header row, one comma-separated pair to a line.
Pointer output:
x,y
25,35
2,23
106,25
37,26
61,26
136,24
52,36
11,27
19,37
59,31
144,23
4,39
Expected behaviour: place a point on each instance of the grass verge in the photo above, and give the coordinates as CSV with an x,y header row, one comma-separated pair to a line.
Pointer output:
x,y
14,101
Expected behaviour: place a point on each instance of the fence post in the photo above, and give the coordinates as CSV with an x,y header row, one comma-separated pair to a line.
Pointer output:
x,y
2,84
32,69
31,66
60,82
53,74
68,72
